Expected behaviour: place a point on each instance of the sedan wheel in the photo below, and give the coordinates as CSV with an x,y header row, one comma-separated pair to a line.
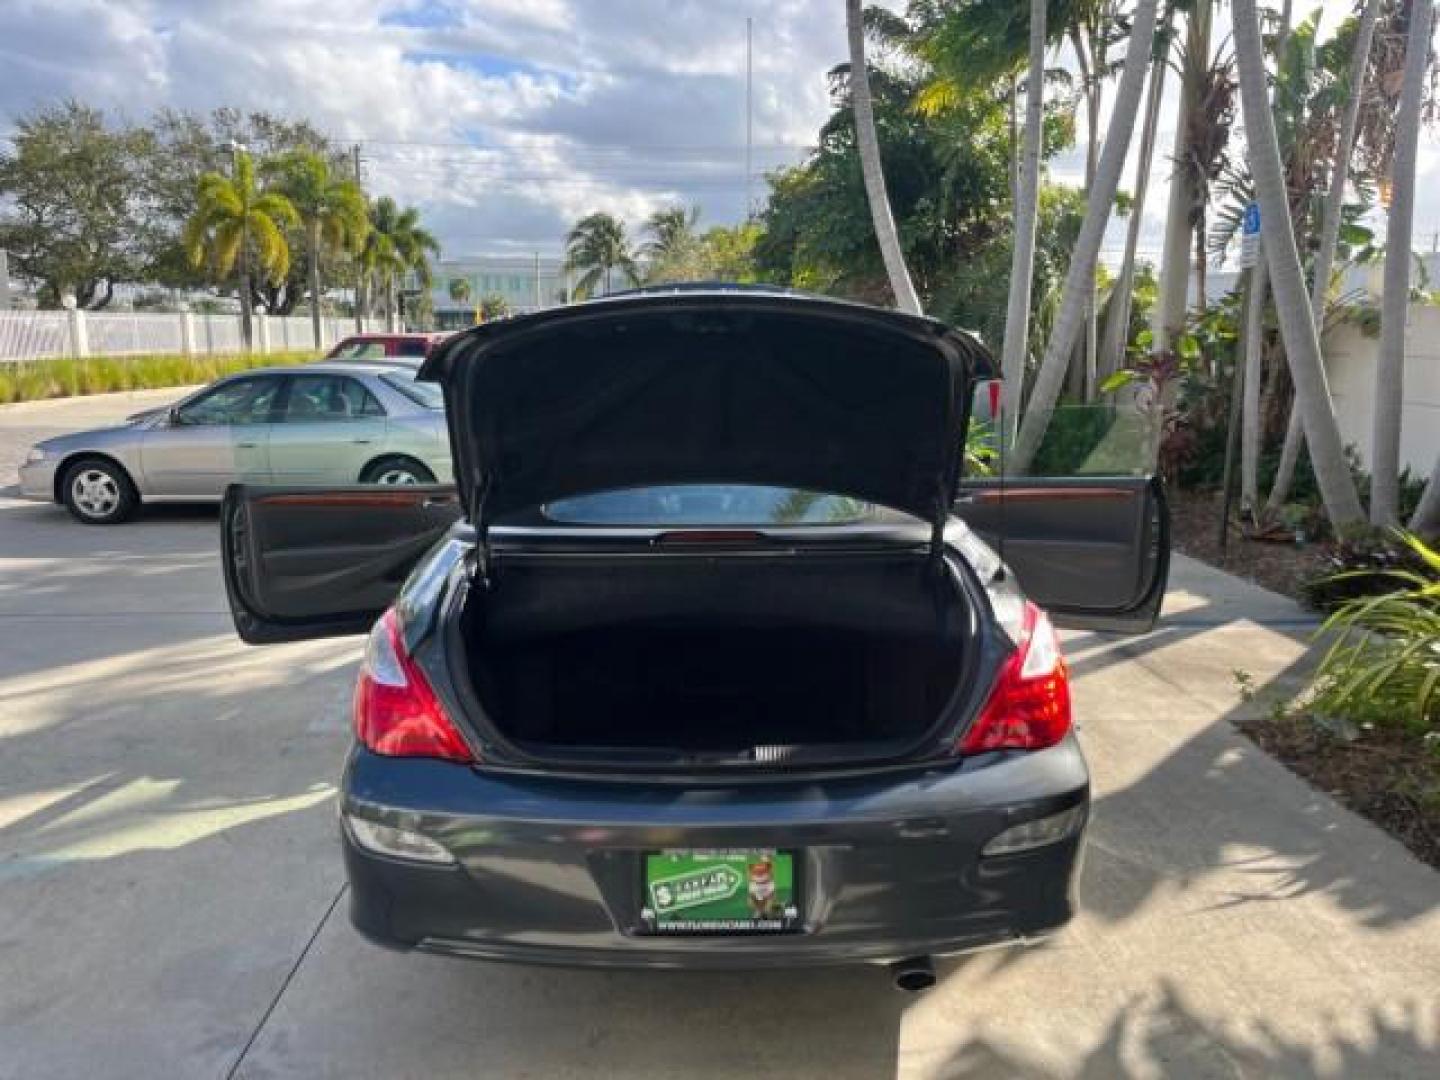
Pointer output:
x,y
396,474
98,493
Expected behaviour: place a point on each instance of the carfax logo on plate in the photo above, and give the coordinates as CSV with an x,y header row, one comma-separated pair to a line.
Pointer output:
x,y
695,887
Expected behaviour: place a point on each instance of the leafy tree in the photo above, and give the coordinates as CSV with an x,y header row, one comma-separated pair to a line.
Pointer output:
x,y
332,213
674,251
459,290
73,220
232,214
729,252
948,183
494,306
182,147
596,248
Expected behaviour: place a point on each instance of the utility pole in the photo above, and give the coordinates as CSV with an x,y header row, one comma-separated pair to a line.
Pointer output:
x,y
247,330
749,113
357,298
4,280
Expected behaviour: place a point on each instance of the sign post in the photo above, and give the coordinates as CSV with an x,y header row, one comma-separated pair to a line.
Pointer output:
x,y
1250,236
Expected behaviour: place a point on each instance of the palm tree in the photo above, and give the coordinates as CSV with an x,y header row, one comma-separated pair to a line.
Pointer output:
x,y
1354,95
1292,305
1395,301
1117,319
332,210
232,215
1027,207
880,213
674,249
459,289
396,244
1080,277
1170,306
595,248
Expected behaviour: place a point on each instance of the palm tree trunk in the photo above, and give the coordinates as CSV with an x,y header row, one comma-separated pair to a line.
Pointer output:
x,y
247,329
880,213
1170,308
312,241
1297,323
1080,278
1083,380
1329,239
360,300
1027,206
391,324
1254,344
1395,301
1426,519
1014,142
1117,321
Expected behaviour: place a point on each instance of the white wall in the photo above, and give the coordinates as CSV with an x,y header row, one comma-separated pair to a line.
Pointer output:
x,y
1350,359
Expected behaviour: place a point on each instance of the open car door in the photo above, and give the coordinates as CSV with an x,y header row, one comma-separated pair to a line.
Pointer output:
x,y
1087,530
1093,551
320,562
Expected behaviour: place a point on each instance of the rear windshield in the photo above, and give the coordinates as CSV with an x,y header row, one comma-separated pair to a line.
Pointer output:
x,y
714,504
427,395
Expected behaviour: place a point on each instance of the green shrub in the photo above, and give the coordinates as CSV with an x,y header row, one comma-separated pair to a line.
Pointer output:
x,y
70,377
1384,665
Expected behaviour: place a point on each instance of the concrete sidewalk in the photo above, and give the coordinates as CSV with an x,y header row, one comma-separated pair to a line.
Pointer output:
x,y
171,897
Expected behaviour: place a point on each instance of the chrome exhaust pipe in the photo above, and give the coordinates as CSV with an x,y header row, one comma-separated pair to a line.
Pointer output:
x,y
913,975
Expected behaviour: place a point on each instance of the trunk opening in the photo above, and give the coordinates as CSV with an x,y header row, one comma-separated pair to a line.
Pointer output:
x,y
740,657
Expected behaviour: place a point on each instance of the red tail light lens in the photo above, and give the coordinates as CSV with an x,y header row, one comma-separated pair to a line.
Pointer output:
x,y
396,710
1029,705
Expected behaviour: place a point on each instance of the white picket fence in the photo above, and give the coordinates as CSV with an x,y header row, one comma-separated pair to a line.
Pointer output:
x,y
35,335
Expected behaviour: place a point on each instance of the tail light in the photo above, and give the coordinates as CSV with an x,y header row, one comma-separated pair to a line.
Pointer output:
x,y
396,711
1029,705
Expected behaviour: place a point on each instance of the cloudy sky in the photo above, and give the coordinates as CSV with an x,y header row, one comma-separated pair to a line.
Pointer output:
x,y
503,119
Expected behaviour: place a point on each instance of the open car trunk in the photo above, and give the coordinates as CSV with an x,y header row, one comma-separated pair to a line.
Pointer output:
x,y
730,658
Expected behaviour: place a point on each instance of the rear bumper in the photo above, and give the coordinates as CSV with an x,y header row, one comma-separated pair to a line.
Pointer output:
x,y
548,870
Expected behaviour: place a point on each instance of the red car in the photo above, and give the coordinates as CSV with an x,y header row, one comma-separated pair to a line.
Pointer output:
x,y
402,347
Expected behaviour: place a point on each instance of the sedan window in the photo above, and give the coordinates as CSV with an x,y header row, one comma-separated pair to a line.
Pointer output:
x,y
328,397
240,401
358,350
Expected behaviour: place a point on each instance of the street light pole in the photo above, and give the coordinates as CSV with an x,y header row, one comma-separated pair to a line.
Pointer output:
x,y
749,113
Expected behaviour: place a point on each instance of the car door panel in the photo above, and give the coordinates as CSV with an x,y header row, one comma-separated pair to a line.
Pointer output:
x,y
215,439
1094,551
319,444
307,563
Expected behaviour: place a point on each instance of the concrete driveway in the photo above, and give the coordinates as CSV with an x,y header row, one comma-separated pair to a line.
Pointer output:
x,y
172,902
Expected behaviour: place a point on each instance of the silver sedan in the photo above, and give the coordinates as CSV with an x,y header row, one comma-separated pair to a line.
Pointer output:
x,y
324,424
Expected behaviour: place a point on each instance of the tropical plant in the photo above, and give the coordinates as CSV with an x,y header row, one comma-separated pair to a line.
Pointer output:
x,y
1292,304
332,213
233,215
494,306
1384,663
395,245
881,213
596,248
459,289
1080,277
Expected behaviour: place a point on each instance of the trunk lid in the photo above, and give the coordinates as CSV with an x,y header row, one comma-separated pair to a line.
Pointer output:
x,y
708,385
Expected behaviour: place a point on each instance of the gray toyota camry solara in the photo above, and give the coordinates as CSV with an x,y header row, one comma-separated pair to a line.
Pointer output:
x,y
707,659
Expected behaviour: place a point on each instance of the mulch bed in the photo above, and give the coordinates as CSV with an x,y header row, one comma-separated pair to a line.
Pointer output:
x,y
1387,777
1195,528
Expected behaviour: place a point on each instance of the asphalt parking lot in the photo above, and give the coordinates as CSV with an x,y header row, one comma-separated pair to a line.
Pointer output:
x,y
171,897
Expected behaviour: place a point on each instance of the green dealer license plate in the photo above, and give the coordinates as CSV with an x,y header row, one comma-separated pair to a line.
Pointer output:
x,y
720,892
